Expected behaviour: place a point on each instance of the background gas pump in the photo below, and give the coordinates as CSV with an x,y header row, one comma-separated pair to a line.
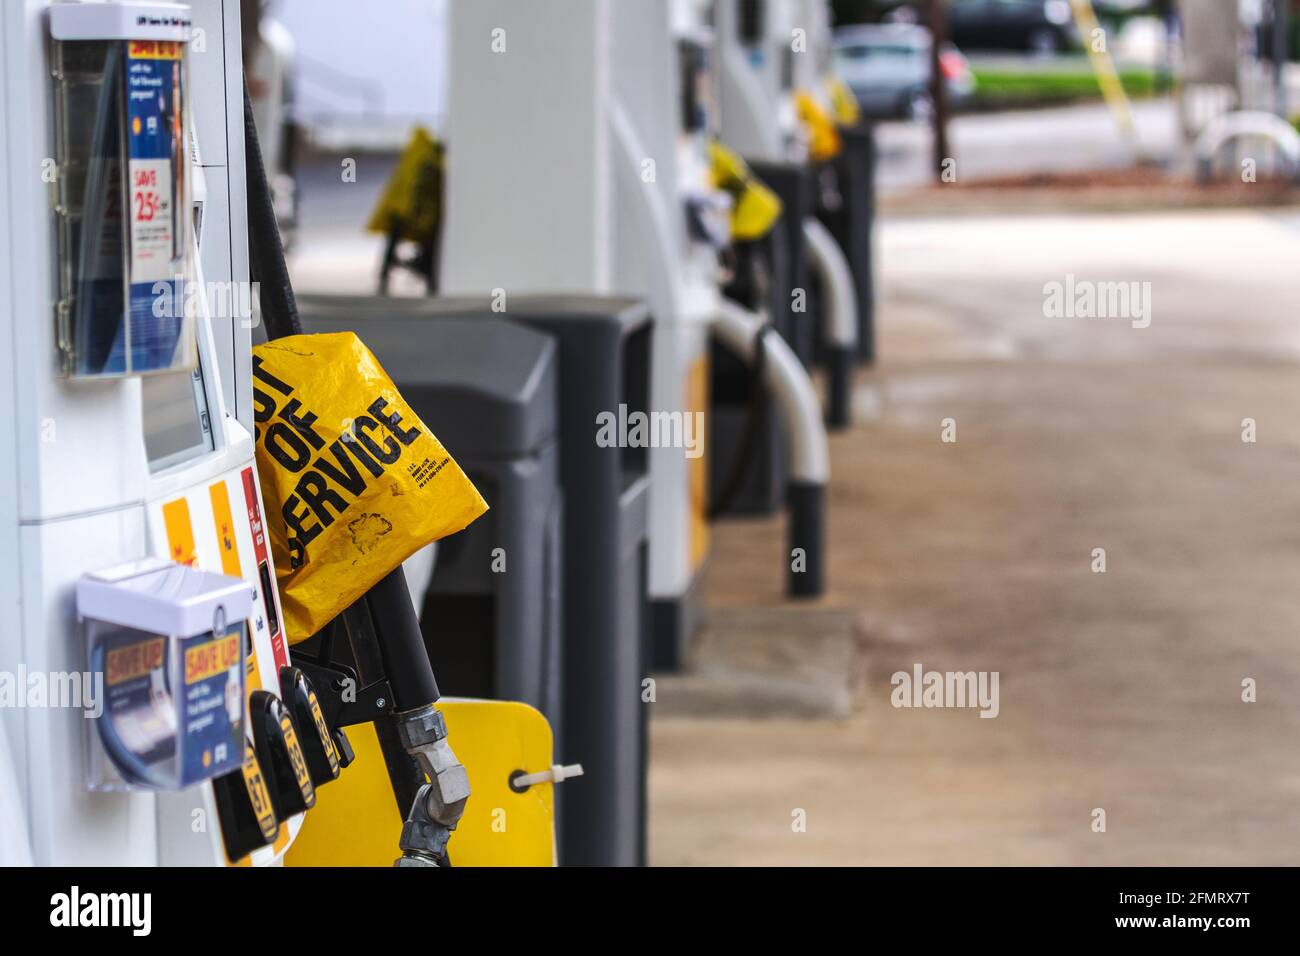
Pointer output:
x,y
128,338
776,111
611,159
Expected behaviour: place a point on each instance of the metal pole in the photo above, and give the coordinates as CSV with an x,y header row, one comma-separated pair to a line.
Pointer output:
x,y
1281,31
938,87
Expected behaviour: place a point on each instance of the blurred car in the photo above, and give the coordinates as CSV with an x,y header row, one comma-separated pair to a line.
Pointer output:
x,y
1042,27
887,66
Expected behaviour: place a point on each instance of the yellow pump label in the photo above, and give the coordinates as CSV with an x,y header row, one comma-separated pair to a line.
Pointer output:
x,y
354,482
258,795
323,730
296,760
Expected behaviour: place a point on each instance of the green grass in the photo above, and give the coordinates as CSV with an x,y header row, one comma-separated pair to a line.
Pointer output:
x,y
996,87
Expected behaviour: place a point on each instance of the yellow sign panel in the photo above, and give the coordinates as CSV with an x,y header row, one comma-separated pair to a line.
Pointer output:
x,y
180,532
356,821
224,523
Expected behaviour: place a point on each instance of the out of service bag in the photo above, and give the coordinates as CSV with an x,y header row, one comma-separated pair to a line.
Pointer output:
x,y
354,482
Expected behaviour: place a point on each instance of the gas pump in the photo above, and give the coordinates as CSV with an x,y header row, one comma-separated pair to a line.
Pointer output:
x,y
846,193
138,578
610,158
775,109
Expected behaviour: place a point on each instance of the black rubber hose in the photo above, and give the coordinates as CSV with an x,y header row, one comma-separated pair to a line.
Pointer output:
x,y
840,363
755,423
867,278
266,265
753,288
406,661
806,539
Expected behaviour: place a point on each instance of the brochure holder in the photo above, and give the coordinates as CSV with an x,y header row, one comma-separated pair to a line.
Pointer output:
x,y
165,648
122,169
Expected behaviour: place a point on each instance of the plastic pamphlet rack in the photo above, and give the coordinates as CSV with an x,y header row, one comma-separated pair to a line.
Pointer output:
x,y
126,241
165,651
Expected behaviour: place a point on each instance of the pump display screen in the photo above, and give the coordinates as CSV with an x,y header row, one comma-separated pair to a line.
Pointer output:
x,y
177,427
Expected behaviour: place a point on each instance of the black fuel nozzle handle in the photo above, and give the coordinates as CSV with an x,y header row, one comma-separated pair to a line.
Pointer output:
x,y
319,749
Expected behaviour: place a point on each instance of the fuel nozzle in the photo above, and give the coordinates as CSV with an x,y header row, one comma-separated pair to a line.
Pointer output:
x,y
280,754
244,808
319,748
439,803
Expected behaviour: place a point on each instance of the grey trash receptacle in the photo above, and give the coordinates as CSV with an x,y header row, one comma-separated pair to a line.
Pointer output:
x,y
796,186
604,349
605,353
489,390
853,221
746,458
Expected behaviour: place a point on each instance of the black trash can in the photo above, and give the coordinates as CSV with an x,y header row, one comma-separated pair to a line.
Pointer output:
x,y
605,349
489,390
602,351
850,218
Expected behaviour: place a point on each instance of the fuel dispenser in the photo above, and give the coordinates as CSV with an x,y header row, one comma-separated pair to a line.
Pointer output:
x,y
168,722
349,608
846,180
776,111
136,558
610,158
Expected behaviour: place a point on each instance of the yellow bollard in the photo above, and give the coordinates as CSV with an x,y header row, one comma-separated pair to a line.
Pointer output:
x,y
1103,67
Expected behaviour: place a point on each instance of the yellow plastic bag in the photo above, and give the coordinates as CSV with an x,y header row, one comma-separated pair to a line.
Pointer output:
x,y
411,203
354,482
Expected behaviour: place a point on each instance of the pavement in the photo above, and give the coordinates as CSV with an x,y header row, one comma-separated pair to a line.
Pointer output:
x,y
1052,140
1058,139
1121,692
